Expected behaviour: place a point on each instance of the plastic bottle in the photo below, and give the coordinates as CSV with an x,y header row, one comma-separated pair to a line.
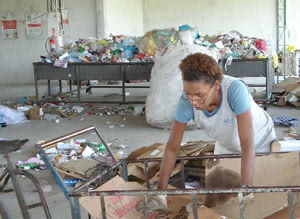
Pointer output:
x,y
52,40
95,146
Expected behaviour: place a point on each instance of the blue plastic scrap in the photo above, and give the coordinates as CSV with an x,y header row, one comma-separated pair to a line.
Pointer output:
x,y
285,121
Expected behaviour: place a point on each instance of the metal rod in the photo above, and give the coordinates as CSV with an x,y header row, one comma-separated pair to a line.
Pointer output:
x,y
75,212
65,137
17,188
78,82
241,205
147,174
87,101
107,86
70,85
78,189
195,206
39,189
124,170
103,207
146,207
60,86
123,83
199,157
182,174
189,191
290,203
107,148
49,88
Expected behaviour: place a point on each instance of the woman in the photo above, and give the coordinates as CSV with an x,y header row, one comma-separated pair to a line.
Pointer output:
x,y
223,107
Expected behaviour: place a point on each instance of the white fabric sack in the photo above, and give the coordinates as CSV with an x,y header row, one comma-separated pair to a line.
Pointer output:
x,y
12,116
166,84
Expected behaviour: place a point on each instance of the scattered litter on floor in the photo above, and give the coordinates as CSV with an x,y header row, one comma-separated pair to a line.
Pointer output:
x,y
285,121
32,163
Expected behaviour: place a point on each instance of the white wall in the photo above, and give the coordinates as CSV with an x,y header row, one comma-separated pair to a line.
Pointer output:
x,y
293,20
120,17
254,18
16,56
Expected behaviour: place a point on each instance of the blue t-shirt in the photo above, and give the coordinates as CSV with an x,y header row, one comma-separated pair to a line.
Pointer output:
x,y
238,98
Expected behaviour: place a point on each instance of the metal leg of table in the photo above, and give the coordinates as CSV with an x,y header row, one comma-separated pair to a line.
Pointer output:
x,y
60,86
49,88
36,89
123,84
78,83
70,85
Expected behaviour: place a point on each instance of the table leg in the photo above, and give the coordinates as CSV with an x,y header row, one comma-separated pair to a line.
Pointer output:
x,y
123,84
49,88
60,86
70,84
36,89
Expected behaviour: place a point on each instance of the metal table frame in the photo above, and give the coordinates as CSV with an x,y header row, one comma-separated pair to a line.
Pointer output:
x,y
140,71
81,191
93,71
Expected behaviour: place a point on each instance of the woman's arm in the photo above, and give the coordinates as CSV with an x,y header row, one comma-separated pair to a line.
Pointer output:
x,y
170,153
245,129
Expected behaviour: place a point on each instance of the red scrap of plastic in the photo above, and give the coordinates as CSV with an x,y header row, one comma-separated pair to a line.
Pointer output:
x,y
261,44
90,113
141,56
88,58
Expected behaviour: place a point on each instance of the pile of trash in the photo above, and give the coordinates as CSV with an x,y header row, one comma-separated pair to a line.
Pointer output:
x,y
123,49
287,92
118,49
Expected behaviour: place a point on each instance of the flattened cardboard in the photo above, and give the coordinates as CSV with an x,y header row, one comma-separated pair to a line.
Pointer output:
x,y
125,206
270,170
204,213
116,206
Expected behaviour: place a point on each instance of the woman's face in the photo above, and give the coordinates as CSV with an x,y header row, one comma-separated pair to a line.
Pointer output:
x,y
201,94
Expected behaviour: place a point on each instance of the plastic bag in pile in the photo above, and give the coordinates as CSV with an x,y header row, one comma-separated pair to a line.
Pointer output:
x,y
166,84
11,116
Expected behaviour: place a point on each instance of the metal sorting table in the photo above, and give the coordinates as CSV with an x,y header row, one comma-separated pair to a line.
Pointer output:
x,y
83,190
93,71
141,71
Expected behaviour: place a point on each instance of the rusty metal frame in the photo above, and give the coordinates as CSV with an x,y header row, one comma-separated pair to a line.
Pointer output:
x,y
74,202
84,191
79,192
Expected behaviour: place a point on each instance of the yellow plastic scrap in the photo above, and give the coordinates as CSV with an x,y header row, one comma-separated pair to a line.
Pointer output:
x,y
261,57
103,42
275,61
291,48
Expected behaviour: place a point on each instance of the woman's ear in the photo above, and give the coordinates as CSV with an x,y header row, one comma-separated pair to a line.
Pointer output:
x,y
217,84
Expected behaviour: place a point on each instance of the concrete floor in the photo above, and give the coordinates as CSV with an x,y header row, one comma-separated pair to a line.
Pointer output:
x,y
137,133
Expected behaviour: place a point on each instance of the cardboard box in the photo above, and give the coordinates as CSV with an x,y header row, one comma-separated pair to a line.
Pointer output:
x,y
270,170
34,114
285,146
193,148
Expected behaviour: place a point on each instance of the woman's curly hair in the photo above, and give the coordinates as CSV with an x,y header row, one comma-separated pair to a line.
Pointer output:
x,y
198,66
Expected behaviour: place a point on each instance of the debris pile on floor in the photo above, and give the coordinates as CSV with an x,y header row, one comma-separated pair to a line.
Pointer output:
x,y
54,111
287,92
